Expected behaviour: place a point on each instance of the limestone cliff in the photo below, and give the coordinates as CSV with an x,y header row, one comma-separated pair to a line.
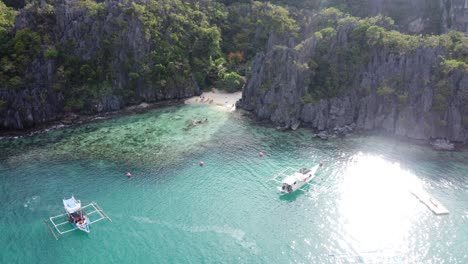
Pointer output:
x,y
349,77
94,57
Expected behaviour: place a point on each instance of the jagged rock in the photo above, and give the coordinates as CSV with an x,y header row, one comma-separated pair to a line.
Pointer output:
x,y
343,131
295,125
279,81
143,105
106,104
281,128
442,144
323,135
196,122
70,119
72,24
138,108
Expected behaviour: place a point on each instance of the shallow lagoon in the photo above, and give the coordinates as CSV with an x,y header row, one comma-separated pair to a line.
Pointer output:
x,y
172,210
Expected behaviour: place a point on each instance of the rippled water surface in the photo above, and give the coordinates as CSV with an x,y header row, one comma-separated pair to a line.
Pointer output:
x,y
358,209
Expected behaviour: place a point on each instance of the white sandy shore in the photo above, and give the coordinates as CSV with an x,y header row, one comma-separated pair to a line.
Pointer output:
x,y
226,101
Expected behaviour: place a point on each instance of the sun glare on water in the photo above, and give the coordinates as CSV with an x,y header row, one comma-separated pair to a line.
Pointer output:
x,y
376,208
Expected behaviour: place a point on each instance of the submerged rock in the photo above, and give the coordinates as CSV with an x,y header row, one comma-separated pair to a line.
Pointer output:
x,y
195,122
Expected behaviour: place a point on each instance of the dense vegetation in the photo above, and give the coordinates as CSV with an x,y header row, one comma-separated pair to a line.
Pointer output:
x,y
209,42
248,26
333,68
203,40
398,10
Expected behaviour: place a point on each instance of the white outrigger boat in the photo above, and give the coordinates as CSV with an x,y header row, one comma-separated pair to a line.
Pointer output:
x,y
293,180
79,217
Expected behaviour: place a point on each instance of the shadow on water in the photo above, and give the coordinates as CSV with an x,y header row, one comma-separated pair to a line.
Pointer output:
x,y
291,197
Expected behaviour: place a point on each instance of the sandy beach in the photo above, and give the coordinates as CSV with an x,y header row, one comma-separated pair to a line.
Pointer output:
x,y
221,99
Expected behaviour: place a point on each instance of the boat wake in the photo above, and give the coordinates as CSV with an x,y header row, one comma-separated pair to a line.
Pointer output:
x,y
237,234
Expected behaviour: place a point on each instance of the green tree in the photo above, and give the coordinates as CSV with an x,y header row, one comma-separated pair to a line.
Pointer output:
x,y
231,82
249,24
7,16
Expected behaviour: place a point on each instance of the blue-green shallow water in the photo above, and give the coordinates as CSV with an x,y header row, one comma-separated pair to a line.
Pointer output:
x,y
174,211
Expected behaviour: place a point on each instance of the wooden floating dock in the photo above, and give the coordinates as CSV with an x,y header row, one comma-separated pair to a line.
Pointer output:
x,y
435,206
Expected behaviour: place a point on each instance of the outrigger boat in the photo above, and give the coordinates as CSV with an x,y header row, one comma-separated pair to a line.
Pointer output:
x,y
293,180
76,216
79,217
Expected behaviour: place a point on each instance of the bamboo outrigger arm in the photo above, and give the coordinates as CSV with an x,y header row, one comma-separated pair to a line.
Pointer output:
x,y
50,229
62,225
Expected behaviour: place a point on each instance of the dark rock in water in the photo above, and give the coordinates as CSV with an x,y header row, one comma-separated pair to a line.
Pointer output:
x,y
138,108
344,130
195,122
323,135
442,144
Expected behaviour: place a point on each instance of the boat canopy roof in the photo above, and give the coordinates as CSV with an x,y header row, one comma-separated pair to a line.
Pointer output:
x,y
71,205
299,176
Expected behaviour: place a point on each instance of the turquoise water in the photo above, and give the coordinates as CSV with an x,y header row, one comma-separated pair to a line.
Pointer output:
x,y
358,210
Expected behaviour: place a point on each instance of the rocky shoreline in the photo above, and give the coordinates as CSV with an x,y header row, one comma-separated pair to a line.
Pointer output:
x,y
438,144
407,93
74,119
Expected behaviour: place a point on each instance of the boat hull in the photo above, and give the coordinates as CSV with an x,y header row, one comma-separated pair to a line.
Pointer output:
x,y
293,189
299,183
83,227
